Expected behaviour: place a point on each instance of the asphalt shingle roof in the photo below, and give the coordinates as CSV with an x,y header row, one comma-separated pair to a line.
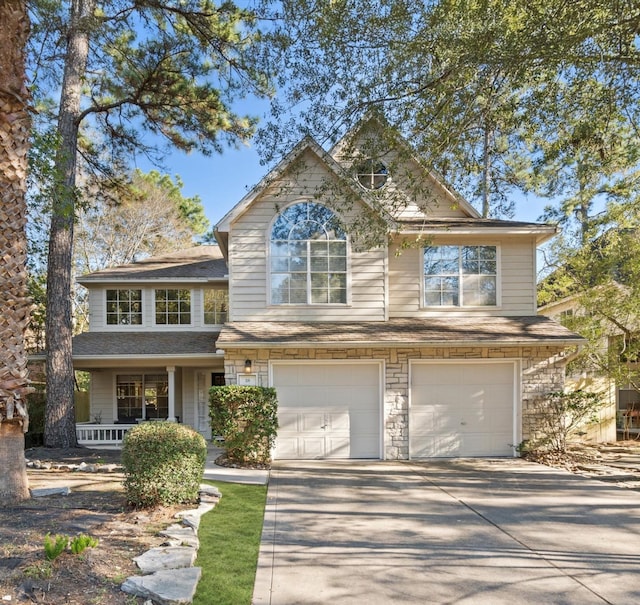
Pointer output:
x,y
199,262
464,222
448,331
113,344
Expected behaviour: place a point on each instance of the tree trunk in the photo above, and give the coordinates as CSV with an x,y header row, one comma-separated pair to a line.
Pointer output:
x,y
486,172
15,306
13,478
60,429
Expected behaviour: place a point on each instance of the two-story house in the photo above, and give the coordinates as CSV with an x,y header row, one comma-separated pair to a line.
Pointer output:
x,y
423,343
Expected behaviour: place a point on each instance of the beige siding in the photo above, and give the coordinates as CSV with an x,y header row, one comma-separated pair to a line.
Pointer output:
x,y
412,190
518,258
97,307
516,281
97,310
248,253
102,397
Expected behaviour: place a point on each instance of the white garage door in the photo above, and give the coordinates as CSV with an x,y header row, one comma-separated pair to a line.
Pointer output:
x,y
327,410
462,409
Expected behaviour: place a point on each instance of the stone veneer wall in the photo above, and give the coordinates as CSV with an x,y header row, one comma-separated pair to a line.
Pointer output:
x,y
542,371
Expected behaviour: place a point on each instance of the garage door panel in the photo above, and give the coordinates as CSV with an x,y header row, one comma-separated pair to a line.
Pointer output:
x,y
288,447
461,409
365,445
337,410
336,448
310,421
445,444
436,418
311,447
446,375
367,423
356,374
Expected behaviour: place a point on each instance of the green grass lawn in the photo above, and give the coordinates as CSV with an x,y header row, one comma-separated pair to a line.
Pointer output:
x,y
229,543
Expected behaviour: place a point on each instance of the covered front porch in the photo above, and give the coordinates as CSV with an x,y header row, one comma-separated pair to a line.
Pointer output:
x,y
152,377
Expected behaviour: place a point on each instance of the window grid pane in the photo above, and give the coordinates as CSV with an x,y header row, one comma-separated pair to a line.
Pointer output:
x,y
173,306
460,276
304,265
124,307
216,304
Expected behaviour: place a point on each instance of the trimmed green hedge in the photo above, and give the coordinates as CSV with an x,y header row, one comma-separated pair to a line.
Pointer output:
x,y
247,419
163,464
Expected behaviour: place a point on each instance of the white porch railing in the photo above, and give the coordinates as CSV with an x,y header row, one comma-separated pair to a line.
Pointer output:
x,y
101,434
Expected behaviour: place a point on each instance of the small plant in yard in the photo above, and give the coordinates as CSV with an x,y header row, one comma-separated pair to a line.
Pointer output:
x,y
163,464
80,543
247,419
39,571
54,546
559,417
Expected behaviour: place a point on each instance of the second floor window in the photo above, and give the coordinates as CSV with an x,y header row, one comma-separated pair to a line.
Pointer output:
x,y
460,276
308,257
216,305
124,307
173,307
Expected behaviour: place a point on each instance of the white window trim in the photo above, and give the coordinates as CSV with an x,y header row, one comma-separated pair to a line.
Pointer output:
x,y
202,300
122,327
310,305
172,326
498,304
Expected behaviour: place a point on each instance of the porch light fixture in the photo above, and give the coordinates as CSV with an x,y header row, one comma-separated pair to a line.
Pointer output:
x,y
247,366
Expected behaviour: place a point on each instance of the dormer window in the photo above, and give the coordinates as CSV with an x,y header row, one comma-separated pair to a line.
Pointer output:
x,y
308,257
372,174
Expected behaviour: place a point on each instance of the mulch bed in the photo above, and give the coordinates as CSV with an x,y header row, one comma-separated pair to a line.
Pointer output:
x,y
96,506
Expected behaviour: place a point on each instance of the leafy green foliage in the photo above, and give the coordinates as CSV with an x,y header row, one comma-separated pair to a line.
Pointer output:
x,y
494,94
80,543
117,71
601,281
54,546
560,416
247,419
163,464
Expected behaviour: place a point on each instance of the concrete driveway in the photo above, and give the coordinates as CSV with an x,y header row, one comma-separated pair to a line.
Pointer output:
x,y
446,532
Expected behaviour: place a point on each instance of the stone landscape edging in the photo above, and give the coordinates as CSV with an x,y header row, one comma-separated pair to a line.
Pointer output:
x,y
171,578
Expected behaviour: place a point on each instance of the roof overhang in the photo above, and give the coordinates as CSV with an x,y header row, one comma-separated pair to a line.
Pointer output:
x,y
433,332
96,362
144,349
541,233
152,280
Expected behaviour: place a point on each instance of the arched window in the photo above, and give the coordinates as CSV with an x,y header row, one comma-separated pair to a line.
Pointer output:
x,y
308,257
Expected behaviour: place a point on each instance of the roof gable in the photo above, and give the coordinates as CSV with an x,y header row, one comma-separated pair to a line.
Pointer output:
x,y
373,137
414,200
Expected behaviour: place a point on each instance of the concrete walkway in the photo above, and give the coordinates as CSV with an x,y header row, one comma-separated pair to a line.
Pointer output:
x,y
446,532
213,472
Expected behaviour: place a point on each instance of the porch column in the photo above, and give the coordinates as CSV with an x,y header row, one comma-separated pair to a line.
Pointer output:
x,y
171,372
